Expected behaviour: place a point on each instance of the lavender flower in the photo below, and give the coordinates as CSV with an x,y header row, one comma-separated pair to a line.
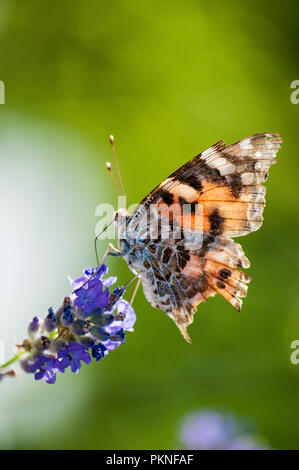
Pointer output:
x,y
90,323
210,430
45,367
50,320
91,296
72,356
33,326
98,351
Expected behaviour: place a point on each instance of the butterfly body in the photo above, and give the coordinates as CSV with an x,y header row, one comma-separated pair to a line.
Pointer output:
x,y
179,237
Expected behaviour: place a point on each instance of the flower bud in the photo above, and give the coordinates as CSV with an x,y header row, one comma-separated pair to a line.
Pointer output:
x,y
80,327
120,335
99,333
41,344
50,320
104,319
67,317
33,327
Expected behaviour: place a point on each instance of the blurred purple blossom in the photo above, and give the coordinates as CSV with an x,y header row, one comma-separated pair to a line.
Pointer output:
x,y
211,430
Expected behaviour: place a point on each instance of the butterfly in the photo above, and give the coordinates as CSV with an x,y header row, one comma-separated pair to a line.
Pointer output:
x,y
191,255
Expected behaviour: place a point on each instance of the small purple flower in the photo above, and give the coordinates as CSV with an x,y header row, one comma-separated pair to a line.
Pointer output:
x,y
89,274
98,351
109,281
34,325
91,296
244,443
102,319
97,272
72,356
207,430
86,341
67,316
42,343
119,335
123,307
99,333
45,368
80,327
50,320
210,430
28,365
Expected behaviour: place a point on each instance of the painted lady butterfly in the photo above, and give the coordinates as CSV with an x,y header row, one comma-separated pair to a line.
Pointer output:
x,y
223,191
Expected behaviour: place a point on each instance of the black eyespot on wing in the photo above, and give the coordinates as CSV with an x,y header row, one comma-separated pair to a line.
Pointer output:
x,y
191,180
216,222
221,285
235,183
167,197
225,273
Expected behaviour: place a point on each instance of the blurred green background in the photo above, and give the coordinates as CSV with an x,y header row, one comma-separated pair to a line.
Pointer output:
x,y
168,78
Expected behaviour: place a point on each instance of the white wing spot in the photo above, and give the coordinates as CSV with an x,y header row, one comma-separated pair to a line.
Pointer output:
x,y
218,162
247,178
258,154
246,144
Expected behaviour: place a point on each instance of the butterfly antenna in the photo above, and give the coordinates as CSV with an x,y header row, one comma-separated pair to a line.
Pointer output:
x,y
108,166
96,239
111,138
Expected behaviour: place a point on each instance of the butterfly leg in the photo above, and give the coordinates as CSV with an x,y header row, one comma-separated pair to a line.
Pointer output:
x,y
114,252
135,289
110,246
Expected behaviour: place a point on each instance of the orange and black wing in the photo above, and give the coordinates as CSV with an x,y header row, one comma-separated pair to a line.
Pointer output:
x,y
223,187
223,184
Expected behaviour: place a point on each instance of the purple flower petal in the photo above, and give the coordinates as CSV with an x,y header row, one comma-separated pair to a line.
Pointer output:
x,y
127,324
72,356
45,367
91,296
109,281
111,345
207,430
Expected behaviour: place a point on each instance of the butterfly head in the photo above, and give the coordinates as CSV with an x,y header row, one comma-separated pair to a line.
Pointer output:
x,y
121,216
121,220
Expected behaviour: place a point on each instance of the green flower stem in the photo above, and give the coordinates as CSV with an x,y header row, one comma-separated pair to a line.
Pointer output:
x,y
12,360
52,335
